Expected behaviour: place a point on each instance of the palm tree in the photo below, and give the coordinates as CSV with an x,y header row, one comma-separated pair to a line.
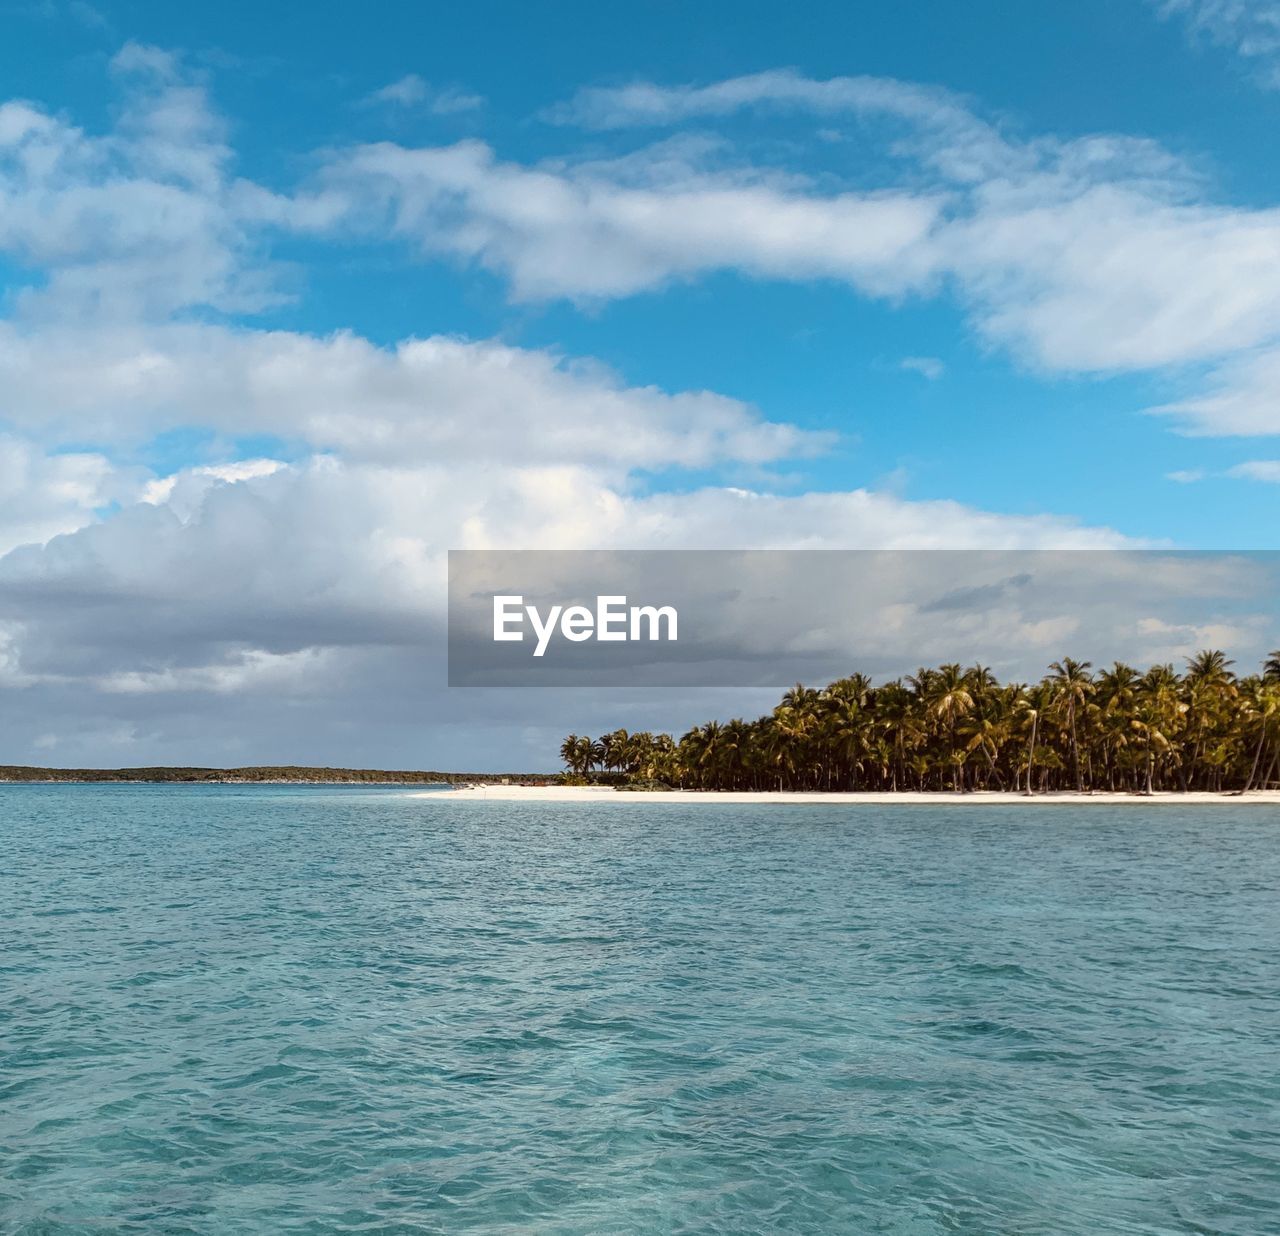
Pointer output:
x,y
1157,712
846,734
1208,685
1116,691
1264,706
787,738
1072,687
1030,707
581,755
950,698
569,753
895,717
987,734
711,758
947,726
615,748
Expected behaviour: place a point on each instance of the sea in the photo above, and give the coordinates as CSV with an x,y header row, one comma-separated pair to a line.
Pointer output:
x,y
234,1009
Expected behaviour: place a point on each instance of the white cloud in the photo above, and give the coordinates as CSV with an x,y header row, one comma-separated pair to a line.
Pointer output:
x,y
440,397
46,493
192,482
406,91
934,126
330,556
146,218
451,100
926,366
1241,398
315,581
1250,28
1165,642
413,91
955,140
1109,278
87,15
613,230
289,581
1096,254
245,671
1258,470
182,633
320,583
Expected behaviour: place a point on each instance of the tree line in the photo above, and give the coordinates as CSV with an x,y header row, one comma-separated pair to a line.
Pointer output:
x,y
949,728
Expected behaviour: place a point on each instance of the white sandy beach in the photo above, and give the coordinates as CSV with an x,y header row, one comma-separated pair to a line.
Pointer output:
x,y
604,794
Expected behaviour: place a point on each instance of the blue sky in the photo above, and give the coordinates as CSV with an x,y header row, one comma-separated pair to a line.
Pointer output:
x,y
990,431
420,276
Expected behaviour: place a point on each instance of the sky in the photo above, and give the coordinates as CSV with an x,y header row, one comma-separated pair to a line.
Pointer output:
x,y
292,306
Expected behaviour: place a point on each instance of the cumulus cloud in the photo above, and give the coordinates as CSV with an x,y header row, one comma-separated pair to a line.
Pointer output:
x,y
183,490
143,218
320,587
138,611
1168,642
45,493
356,549
423,399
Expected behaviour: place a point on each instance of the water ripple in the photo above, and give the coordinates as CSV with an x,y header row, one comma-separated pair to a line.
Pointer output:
x,y
265,1010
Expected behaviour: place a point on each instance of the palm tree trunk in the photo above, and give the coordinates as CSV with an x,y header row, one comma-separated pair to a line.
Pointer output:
x,y
1270,767
1075,751
1257,756
1031,751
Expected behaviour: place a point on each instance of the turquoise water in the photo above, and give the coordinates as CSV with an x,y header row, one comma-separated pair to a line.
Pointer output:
x,y
230,1010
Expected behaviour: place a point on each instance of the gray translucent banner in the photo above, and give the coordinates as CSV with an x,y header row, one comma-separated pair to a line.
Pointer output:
x,y
765,618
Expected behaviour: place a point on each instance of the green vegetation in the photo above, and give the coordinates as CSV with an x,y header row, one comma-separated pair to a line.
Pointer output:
x,y
260,775
959,729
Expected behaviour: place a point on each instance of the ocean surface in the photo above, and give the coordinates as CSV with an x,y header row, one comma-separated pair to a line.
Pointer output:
x,y
260,1010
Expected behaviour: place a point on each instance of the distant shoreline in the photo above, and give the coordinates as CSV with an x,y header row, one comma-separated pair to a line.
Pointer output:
x,y
211,781
265,774
605,794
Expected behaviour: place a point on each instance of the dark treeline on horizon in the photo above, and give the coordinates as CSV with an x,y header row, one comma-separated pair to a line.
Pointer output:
x,y
1119,729
257,775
